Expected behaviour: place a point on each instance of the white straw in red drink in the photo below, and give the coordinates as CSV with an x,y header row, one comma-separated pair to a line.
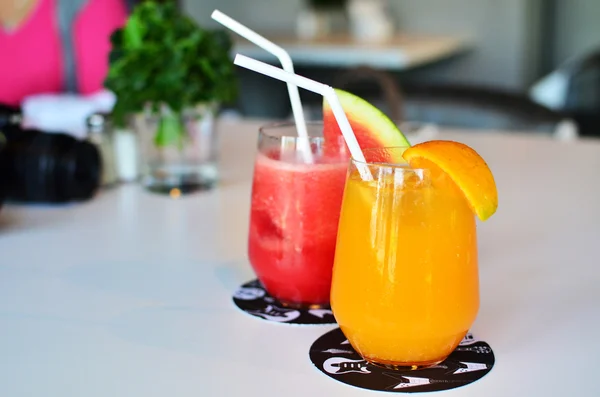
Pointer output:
x,y
322,89
286,63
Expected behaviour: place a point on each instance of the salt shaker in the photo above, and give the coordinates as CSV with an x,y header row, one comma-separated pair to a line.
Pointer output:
x,y
100,133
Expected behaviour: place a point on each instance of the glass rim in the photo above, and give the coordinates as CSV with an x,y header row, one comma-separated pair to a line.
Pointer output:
x,y
404,166
290,123
286,124
264,131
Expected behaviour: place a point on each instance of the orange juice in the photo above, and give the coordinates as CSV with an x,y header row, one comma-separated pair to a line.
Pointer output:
x,y
405,284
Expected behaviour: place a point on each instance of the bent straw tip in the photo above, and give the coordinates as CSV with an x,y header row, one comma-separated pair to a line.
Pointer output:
x,y
238,58
245,61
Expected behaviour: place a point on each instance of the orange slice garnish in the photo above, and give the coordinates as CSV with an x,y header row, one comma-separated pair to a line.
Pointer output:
x,y
465,167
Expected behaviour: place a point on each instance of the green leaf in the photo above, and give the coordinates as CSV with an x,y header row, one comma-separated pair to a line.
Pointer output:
x,y
133,33
163,57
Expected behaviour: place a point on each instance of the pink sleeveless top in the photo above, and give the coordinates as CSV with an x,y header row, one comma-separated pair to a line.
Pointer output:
x,y
31,55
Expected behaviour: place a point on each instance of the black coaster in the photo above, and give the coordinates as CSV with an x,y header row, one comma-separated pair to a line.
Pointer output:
x,y
253,299
333,355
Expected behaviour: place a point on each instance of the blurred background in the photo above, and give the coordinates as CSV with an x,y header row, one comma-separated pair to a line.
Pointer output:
x,y
547,51
120,90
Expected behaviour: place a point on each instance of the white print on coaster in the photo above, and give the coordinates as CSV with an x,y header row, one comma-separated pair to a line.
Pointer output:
x,y
333,355
255,300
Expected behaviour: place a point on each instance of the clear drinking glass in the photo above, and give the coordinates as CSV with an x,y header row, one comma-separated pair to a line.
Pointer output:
x,y
178,150
405,287
295,213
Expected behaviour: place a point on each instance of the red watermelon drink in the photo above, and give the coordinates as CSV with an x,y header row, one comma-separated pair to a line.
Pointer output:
x,y
296,204
295,213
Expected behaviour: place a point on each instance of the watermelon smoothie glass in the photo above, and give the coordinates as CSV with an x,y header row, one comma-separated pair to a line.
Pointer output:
x,y
295,213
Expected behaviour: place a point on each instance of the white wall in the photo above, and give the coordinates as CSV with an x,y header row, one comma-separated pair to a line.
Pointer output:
x,y
261,15
577,28
498,28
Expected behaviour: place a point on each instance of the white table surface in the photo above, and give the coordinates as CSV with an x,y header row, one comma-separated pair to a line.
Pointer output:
x,y
400,52
130,294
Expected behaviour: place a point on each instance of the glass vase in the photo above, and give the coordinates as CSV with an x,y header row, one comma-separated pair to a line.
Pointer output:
x,y
178,149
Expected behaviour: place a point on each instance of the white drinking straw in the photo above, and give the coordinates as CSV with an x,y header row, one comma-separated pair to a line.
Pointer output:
x,y
326,91
286,63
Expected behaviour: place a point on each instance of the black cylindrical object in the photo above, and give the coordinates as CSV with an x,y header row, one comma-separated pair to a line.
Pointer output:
x,y
10,116
2,171
49,168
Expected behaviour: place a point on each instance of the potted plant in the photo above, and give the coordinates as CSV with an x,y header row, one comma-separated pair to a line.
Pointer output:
x,y
170,76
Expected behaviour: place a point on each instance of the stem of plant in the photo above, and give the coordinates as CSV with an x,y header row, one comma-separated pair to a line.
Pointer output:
x,y
170,131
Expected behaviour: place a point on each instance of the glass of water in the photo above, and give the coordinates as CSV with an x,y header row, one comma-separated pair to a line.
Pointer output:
x,y
178,149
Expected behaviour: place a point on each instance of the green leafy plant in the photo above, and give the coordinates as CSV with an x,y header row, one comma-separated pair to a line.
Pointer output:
x,y
163,58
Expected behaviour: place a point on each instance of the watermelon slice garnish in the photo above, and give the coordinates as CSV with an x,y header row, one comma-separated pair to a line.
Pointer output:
x,y
373,129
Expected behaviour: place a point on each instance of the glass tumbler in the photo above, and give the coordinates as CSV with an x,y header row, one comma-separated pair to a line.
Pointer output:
x,y
405,287
295,213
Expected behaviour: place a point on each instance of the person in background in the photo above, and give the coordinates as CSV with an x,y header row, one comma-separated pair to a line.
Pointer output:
x,y
55,46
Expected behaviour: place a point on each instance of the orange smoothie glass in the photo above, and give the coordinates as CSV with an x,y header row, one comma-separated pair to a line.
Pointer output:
x,y
405,286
